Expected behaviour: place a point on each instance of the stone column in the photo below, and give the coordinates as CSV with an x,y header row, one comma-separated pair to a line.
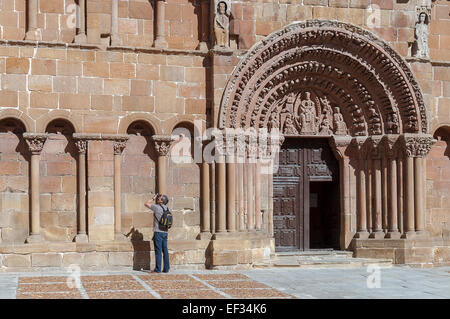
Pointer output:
x,y
361,190
339,147
377,215
35,144
160,37
423,146
162,145
204,26
115,39
400,196
205,222
231,189
391,153
409,200
81,36
258,216
119,146
81,236
221,195
33,33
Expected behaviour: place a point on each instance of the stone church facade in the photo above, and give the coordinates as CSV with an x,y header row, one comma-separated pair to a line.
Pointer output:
x,y
336,112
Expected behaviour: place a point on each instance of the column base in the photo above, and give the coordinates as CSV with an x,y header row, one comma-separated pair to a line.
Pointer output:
x,y
362,235
393,235
204,235
160,43
33,35
120,237
36,238
81,238
421,233
80,38
377,235
409,235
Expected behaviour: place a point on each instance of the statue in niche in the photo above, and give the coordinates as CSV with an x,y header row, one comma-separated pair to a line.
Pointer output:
x,y
308,115
421,36
338,120
222,25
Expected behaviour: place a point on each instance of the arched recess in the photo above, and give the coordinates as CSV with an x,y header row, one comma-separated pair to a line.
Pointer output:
x,y
14,181
339,65
59,182
138,178
72,120
336,80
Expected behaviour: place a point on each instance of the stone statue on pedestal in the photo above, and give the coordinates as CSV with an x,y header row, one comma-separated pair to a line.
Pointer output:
x,y
421,36
222,25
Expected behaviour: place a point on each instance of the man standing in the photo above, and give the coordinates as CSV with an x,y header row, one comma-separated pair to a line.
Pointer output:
x,y
158,205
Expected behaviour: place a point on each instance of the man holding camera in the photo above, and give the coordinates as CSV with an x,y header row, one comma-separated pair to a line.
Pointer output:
x,y
158,205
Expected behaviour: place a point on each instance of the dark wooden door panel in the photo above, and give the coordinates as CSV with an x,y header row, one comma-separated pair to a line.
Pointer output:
x,y
300,161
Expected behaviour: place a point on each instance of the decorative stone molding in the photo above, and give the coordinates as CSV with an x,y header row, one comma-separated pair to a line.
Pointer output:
x,y
391,147
417,145
352,68
162,143
35,142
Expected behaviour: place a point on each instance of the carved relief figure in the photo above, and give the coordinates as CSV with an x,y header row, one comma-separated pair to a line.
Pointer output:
x,y
308,115
338,120
374,120
221,25
274,121
421,36
392,123
289,127
325,127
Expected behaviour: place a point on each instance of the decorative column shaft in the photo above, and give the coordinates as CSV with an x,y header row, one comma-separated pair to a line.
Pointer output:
x,y
361,191
115,40
391,152
160,39
409,200
377,210
221,195
162,146
204,25
231,189
205,223
35,144
119,146
258,216
81,236
81,36
33,33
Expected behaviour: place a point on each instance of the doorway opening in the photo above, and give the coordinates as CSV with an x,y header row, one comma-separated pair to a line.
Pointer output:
x,y
324,215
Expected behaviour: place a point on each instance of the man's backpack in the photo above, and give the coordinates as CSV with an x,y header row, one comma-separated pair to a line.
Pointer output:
x,y
166,218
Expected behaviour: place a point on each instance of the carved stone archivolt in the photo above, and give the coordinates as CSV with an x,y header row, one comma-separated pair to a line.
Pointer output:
x,y
324,78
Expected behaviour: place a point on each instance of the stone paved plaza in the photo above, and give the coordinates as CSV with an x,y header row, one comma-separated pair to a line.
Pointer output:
x,y
395,282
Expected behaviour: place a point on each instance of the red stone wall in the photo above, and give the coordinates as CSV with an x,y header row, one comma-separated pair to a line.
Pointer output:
x,y
438,187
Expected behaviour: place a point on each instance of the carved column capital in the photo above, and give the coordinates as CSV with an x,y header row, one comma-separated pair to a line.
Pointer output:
x,y
374,147
35,142
391,147
119,146
81,146
417,145
162,143
339,145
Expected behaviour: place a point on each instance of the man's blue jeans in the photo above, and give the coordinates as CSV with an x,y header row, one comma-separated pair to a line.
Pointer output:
x,y
160,241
